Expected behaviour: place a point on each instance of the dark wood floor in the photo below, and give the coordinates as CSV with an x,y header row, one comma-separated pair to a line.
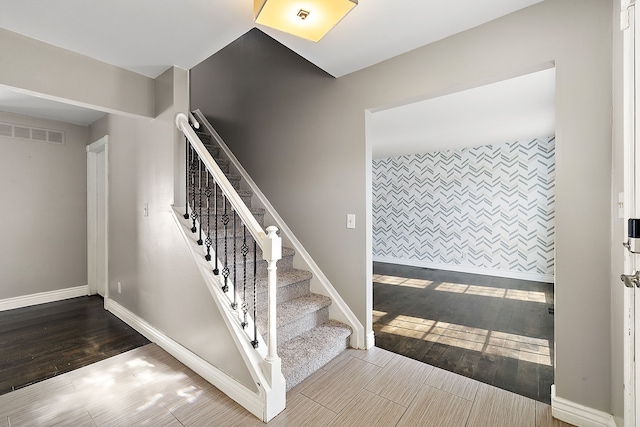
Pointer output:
x,y
495,330
42,341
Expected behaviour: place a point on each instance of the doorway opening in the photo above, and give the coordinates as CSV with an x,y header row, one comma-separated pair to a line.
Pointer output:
x,y
463,232
98,217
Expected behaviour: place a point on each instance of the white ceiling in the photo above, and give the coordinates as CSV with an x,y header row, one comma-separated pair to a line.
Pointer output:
x,y
510,110
148,36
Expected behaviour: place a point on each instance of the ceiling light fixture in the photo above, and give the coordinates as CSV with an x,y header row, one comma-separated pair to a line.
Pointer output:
x,y
309,19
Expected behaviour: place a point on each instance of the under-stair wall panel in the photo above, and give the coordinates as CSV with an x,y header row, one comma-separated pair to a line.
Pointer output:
x,y
148,256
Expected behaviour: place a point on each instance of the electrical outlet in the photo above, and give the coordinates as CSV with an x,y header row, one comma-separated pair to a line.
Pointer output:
x,y
119,287
464,254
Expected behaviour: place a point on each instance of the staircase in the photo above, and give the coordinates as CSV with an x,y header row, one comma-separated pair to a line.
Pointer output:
x,y
306,337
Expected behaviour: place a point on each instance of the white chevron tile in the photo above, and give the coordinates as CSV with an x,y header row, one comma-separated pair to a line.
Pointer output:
x,y
497,202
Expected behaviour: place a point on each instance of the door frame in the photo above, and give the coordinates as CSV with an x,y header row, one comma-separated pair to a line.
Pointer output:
x,y
93,240
631,204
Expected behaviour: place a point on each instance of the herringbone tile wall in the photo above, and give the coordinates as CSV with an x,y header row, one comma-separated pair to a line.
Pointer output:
x,y
490,207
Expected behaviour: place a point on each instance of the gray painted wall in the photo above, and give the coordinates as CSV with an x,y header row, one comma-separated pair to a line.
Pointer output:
x,y
302,136
148,255
43,222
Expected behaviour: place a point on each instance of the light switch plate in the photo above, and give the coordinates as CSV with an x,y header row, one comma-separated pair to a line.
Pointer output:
x,y
351,220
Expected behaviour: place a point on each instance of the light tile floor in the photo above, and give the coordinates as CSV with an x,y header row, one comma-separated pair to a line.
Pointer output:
x,y
147,386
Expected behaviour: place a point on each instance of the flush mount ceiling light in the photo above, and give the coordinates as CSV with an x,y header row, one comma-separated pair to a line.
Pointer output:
x,y
309,19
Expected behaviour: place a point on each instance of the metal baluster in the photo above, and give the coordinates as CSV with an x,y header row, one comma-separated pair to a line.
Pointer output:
x,y
215,209
208,240
194,214
244,250
200,200
254,343
234,304
225,269
186,184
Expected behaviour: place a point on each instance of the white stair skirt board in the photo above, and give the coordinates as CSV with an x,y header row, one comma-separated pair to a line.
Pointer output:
x,y
574,413
534,277
236,391
43,297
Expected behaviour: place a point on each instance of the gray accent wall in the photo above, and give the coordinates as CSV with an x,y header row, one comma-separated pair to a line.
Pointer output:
x,y
43,220
302,137
488,209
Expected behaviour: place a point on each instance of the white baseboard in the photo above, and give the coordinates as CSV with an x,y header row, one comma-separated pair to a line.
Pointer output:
x,y
43,297
248,399
371,340
534,277
579,415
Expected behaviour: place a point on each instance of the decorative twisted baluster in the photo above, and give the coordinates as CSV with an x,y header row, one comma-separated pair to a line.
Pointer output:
x,y
216,271
234,304
225,269
254,343
244,250
188,148
194,213
200,200
207,193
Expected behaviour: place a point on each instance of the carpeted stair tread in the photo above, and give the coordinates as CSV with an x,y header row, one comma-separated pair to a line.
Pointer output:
x,y
286,291
297,308
296,316
232,176
308,352
223,163
285,278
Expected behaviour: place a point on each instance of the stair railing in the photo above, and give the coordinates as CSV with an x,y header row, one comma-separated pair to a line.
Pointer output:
x,y
207,189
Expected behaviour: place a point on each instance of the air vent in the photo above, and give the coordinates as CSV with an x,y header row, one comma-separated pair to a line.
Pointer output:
x,y
21,132
56,137
8,130
38,135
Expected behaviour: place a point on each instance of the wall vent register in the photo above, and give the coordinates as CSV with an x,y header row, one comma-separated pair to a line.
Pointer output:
x,y
9,130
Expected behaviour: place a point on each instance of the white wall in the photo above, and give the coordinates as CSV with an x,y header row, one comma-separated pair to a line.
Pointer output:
x,y
43,220
314,130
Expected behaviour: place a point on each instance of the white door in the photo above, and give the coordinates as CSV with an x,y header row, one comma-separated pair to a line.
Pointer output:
x,y
97,217
631,210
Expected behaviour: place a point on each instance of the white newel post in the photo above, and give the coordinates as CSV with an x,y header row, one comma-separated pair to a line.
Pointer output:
x,y
272,252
